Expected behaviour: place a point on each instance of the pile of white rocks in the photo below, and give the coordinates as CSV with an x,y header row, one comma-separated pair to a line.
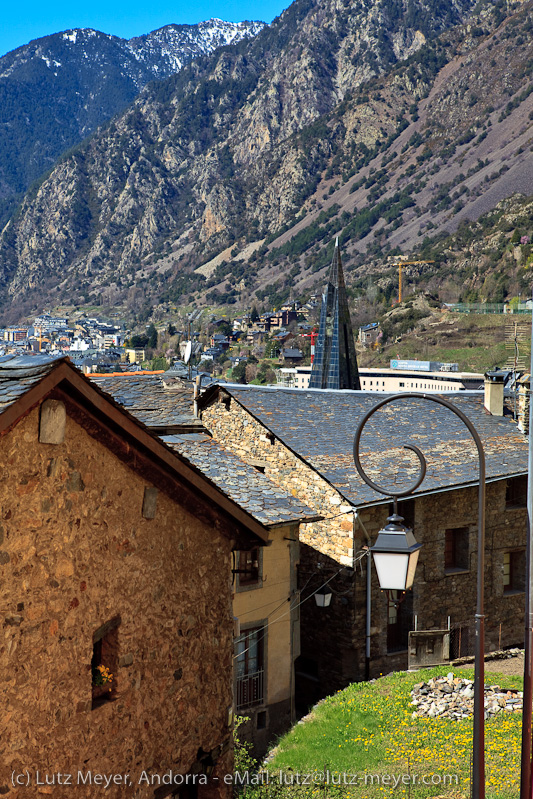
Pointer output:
x,y
453,697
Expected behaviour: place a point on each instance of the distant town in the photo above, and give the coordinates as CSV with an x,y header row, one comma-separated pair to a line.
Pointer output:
x,y
275,348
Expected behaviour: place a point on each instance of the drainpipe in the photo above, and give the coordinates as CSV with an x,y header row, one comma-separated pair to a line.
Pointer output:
x,y
368,604
368,615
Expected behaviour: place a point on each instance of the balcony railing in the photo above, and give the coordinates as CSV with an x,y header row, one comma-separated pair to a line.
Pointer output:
x,y
249,690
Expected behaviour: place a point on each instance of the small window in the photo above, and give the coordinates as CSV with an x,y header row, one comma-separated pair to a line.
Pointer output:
x,y
399,620
516,492
104,663
261,720
406,509
249,568
514,567
456,550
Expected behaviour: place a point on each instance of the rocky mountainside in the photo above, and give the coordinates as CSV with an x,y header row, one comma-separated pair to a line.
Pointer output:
x,y
383,121
168,49
57,90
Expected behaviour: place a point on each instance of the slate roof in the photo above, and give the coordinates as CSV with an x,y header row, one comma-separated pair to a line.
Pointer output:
x,y
244,485
157,406
320,426
147,398
18,373
241,482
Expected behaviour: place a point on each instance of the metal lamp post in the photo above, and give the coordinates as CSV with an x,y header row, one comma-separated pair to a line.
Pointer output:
x,y
526,786
406,548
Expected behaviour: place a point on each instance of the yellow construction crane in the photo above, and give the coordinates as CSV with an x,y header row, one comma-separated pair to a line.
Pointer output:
x,y
399,264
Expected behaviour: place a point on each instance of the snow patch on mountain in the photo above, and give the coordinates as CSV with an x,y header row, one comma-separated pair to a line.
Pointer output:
x,y
51,62
178,44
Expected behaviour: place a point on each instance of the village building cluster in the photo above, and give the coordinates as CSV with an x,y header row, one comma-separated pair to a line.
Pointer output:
x,y
166,549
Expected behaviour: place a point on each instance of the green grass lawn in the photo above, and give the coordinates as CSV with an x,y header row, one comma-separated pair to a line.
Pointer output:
x,y
368,729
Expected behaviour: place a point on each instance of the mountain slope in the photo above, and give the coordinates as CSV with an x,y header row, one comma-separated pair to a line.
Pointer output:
x,y
57,90
320,109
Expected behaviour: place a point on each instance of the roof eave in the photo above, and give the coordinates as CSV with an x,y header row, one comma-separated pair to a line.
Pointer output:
x,y
433,491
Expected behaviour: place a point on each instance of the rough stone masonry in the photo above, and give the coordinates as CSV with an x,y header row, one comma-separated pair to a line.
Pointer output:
x,y
453,697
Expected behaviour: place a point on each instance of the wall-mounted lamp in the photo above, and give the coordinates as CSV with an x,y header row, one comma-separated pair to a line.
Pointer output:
x,y
323,597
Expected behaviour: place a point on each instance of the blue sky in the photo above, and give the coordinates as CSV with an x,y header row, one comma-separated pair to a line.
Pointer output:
x,y
30,19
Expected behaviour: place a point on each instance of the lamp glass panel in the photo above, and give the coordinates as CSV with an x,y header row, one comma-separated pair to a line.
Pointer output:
x,y
413,560
323,599
392,570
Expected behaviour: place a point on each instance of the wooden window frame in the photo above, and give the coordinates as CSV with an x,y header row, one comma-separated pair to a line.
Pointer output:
x,y
514,571
456,552
249,569
250,685
516,493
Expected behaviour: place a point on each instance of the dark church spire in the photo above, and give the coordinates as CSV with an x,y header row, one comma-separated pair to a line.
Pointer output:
x,y
335,364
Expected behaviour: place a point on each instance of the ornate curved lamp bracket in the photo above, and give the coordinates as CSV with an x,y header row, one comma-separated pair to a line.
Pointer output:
x,y
421,459
478,769
357,460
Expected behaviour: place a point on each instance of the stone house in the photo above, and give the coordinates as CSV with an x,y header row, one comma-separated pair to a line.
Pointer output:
x,y
291,356
117,644
369,334
264,579
303,440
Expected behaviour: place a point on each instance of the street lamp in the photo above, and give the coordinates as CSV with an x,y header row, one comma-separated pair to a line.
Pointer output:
x,y
399,558
323,597
395,555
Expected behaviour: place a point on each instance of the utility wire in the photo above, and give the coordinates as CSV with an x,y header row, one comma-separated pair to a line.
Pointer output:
x,y
292,607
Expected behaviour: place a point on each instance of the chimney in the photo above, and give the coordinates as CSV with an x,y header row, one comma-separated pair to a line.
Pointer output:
x,y
197,391
523,404
494,392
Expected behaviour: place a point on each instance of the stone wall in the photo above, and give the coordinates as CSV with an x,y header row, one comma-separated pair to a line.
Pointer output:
x,y
337,646
456,591
234,426
438,597
76,553
333,639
